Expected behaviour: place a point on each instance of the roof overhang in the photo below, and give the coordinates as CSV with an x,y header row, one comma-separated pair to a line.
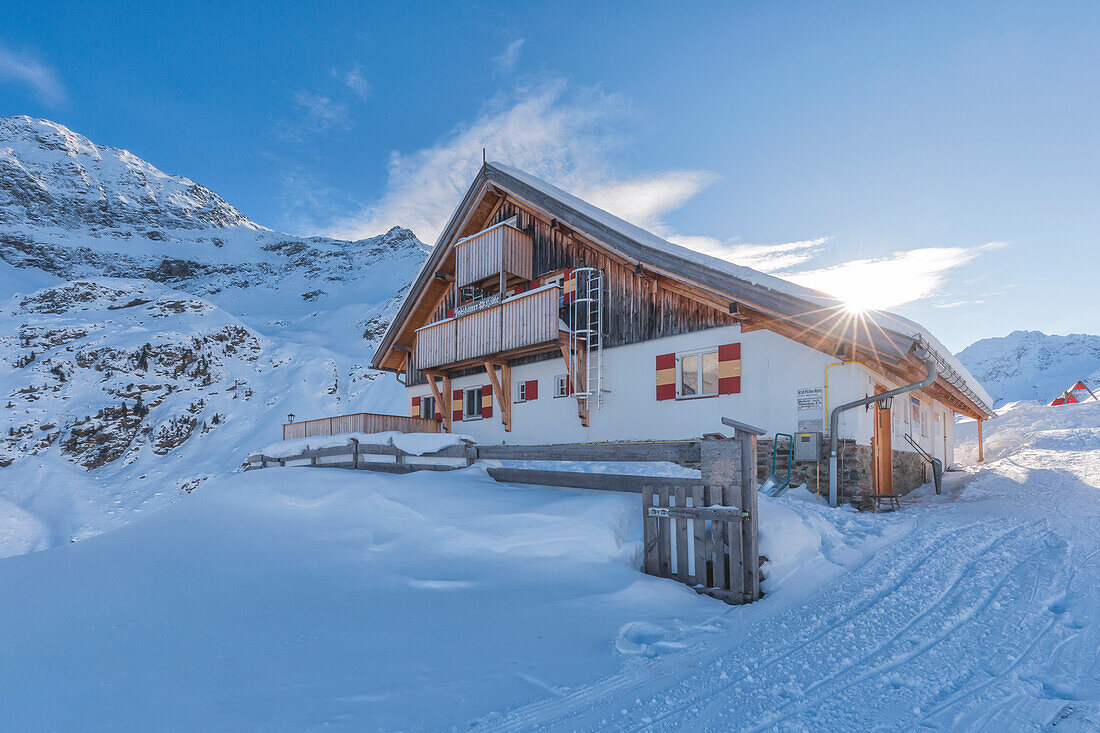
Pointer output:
x,y
810,317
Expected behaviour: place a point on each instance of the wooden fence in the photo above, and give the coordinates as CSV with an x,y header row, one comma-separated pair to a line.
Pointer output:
x,y
705,535
701,532
360,422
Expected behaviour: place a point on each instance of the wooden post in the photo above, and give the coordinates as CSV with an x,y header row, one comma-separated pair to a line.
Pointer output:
x,y
448,404
981,443
438,396
721,468
749,545
504,398
744,436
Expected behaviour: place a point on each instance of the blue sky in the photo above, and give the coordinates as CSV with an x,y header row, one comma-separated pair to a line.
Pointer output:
x,y
936,160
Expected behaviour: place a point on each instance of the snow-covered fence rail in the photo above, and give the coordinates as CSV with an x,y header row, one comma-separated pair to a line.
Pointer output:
x,y
368,457
702,532
360,422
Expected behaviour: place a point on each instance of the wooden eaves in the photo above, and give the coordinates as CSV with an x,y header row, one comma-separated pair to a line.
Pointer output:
x,y
822,323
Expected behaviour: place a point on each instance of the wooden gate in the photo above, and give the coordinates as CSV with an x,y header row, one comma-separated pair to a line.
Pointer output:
x,y
705,534
689,539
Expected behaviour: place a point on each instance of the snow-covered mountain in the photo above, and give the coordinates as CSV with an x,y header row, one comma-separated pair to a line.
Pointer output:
x,y
150,333
1031,365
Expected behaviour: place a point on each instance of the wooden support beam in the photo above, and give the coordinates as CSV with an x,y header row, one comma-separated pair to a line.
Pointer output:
x,y
574,381
442,399
503,397
981,443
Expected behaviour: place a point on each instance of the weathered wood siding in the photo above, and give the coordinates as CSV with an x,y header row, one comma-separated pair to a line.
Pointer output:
x,y
361,422
522,320
502,247
636,308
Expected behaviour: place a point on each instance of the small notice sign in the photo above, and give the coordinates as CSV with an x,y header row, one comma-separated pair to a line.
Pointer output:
x,y
811,409
478,305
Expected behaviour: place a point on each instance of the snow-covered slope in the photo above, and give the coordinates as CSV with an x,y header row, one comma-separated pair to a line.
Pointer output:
x,y
119,281
322,599
1030,365
51,176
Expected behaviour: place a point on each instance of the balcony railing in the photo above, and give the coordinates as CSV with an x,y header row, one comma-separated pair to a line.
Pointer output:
x,y
360,422
524,320
501,248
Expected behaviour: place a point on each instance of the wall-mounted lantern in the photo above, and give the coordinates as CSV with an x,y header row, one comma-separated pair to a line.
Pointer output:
x,y
290,417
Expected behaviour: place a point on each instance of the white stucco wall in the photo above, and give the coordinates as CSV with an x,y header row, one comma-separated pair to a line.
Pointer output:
x,y
773,368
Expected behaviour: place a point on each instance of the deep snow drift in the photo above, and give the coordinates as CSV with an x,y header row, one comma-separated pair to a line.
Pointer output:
x,y
308,599
295,599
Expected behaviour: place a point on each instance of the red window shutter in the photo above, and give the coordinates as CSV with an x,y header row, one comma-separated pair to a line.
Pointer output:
x,y
534,283
531,389
569,284
729,369
414,407
666,376
487,401
456,405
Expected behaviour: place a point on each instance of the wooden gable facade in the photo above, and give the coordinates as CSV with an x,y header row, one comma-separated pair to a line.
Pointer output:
x,y
650,292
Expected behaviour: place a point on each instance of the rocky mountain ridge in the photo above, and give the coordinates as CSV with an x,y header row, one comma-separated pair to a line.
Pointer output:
x,y
151,334
1032,365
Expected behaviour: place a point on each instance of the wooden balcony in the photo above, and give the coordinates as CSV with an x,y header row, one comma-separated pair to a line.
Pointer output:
x,y
360,422
500,248
521,323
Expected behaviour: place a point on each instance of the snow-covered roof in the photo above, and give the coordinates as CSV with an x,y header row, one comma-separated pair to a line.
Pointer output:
x,y
880,332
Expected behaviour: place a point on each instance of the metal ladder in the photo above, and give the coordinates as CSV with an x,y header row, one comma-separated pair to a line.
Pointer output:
x,y
586,332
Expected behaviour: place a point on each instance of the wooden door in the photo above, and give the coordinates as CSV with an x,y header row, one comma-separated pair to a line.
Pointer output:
x,y
882,451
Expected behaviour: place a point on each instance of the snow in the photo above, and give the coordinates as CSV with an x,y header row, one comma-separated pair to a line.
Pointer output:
x,y
307,598
169,591
416,444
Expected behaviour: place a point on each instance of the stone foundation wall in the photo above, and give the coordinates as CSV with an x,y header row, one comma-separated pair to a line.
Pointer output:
x,y
853,471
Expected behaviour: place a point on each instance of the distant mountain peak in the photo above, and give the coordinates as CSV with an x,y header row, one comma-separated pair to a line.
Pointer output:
x,y
1032,365
51,176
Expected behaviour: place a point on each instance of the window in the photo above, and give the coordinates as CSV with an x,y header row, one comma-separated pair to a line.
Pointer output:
x,y
561,385
914,417
521,392
471,404
697,374
925,422
427,407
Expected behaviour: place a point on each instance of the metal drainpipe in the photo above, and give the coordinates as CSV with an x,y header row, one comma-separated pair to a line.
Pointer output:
x,y
834,417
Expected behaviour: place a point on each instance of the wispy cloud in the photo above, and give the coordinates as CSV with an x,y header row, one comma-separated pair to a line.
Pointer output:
x,y
770,258
314,114
884,282
565,138
23,68
570,138
507,60
353,80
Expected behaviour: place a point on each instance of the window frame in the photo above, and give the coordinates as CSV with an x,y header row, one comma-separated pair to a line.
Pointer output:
x,y
466,416
425,400
698,372
521,392
563,380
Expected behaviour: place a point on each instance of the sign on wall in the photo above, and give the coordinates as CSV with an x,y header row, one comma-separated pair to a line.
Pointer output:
x,y
478,305
811,409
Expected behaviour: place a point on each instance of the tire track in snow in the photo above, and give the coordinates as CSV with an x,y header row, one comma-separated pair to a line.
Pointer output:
x,y
826,687
911,552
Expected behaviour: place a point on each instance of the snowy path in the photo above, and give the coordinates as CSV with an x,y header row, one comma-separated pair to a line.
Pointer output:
x,y
983,615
